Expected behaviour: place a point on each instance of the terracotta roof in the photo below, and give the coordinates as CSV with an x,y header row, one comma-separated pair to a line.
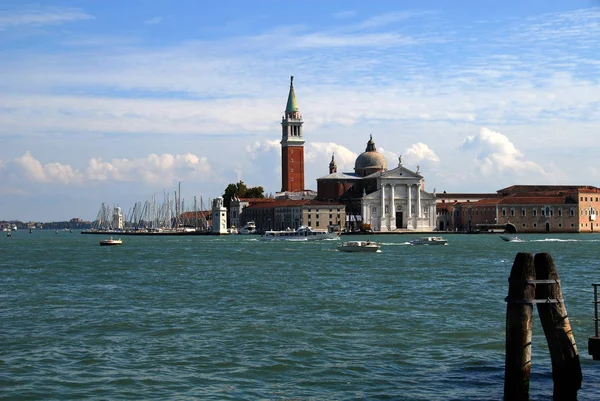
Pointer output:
x,y
197,214
293,203
537,200
257,200
279,203
466,195
482,202
556,189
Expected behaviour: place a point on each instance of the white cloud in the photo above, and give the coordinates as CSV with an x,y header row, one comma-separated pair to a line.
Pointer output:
x,y
153,169
48,173
41,16
320,153
389,18
263,146
344,14
419,152
495,153
353,40
153,21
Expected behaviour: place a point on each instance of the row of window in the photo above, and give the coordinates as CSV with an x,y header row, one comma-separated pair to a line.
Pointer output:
x,y
317,225
544,212
534,225
560,225
586,198
317,216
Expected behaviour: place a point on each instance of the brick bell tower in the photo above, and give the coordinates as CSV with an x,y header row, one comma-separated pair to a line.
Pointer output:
x,y
292,146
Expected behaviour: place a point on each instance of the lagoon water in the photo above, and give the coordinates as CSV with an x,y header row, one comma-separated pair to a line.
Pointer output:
x,y
234,318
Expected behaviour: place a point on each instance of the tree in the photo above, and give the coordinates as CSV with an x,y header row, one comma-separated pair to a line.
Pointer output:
x,y
255,192
233,190
240,190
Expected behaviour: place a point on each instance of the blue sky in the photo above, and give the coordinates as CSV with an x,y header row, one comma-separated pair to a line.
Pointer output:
x,y
116,102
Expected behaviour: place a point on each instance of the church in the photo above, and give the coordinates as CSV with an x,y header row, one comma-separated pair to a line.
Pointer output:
x,y
379,199
370,198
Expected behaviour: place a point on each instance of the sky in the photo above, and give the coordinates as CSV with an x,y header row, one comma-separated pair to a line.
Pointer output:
x,y
119,102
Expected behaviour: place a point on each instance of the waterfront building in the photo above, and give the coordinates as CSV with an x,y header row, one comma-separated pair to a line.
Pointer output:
x,y
379,199
237,206
523,209
282,214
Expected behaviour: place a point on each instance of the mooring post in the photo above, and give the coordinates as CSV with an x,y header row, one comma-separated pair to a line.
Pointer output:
x,y
594,342
566,369
519,312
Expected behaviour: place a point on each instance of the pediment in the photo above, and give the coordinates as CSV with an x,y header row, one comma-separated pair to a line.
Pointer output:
x,y
401,173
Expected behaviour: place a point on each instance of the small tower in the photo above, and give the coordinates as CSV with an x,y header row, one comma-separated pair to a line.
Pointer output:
x,y
219,217
117,219
332,166
292,145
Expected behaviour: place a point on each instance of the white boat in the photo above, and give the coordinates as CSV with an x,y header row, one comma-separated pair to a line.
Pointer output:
x,y
429,241
359,246
249,228
111,241
304,233
510,238
232,230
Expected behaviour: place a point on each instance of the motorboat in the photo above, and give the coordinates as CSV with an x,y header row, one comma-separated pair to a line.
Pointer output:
x,y
359,246
111,241
429,241
510,238
249,228
304,233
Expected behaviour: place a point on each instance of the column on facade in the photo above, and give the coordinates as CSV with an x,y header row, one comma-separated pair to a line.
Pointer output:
x,y
419,212
408,191
392,209
382,203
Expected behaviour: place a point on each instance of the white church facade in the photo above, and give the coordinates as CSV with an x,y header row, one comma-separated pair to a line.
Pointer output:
x,y
380,199
400,203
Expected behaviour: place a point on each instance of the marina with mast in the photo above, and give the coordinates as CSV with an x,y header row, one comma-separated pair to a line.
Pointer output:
x,y
154,217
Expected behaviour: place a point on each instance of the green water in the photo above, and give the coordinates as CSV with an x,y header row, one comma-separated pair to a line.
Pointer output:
x,y
235,318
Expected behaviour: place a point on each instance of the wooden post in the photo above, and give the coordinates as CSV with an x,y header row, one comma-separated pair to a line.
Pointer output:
x,y
566,370
519,311
594,342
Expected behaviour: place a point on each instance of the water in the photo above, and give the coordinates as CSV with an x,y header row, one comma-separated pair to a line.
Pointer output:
x,y
234,318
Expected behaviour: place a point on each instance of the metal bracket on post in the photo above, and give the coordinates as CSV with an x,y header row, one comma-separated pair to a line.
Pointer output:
x,y
533,301
594,342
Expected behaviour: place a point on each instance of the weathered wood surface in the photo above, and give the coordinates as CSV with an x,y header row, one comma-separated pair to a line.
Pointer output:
x,y
519,311
566,369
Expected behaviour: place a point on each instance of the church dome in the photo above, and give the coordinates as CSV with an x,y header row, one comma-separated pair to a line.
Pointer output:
x,y
370,160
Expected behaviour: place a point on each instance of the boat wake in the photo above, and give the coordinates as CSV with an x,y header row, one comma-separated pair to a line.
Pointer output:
x,y
555,240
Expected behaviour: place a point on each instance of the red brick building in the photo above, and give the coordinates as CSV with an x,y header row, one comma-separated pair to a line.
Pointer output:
x,y
292,145
522,208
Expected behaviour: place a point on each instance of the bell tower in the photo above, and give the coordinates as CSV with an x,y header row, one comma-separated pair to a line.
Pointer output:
x,y
292,146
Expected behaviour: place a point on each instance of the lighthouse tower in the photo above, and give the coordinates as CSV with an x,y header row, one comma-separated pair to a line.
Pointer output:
x,y
292,146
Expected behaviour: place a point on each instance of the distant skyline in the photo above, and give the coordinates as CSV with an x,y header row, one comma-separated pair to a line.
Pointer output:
x,y
116,102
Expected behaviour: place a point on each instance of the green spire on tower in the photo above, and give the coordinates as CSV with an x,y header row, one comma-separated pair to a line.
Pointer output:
x,y
292,104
